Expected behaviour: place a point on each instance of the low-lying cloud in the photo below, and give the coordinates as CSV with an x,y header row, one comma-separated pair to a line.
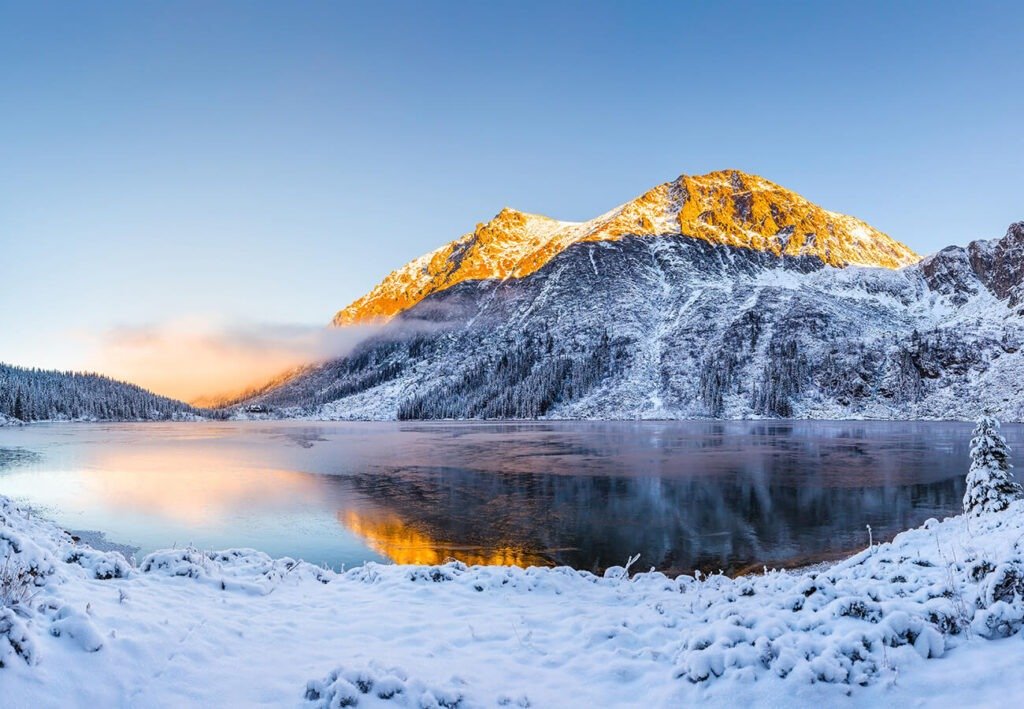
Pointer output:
x,y
201,361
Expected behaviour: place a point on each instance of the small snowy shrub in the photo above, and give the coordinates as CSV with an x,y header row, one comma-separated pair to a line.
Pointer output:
x,y
100,565
859,608
74,624
345,687
17,583
1005,583
438,574
990,484
1000,620
24,567
245,570
14,639
188,562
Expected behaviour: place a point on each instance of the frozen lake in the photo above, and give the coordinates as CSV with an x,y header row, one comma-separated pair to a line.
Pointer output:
x,y
684,495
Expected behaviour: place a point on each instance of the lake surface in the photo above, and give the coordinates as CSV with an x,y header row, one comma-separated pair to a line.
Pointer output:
x,y
684,495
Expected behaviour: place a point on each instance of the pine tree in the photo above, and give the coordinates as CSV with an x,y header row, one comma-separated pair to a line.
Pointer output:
x,y
990,484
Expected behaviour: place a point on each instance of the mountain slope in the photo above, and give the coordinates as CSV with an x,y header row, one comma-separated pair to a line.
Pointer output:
x,y
677,327
727,208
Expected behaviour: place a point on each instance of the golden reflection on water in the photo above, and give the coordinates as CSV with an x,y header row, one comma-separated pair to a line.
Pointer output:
x,y
192,485
387,534
198,485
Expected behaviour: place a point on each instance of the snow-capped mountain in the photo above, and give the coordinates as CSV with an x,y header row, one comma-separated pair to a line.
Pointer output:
x,y
716,296
726,207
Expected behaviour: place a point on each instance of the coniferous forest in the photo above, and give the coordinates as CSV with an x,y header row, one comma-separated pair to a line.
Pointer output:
x,y
48,395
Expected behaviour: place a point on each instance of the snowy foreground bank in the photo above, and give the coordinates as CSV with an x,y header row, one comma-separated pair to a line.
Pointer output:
x,y
931,619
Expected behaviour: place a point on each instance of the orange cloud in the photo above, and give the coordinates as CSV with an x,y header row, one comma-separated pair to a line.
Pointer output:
x,y
192,359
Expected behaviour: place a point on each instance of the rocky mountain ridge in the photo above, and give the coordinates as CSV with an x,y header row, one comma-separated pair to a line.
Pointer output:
x,y
728,208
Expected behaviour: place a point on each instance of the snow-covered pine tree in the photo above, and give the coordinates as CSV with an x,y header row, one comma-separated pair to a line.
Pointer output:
x,y
990,484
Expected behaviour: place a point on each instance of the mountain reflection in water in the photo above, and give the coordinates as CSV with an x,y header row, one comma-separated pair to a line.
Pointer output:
x,y
684,495
596,522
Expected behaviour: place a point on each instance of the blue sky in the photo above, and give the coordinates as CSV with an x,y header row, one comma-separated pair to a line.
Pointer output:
x,y
262,162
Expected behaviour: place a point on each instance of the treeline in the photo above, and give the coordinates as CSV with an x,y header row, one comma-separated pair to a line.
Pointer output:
x,y
48,395
522,383
784,377
893,370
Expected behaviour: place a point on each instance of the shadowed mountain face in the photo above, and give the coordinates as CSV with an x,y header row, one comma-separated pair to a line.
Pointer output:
x,y
996,266
677,327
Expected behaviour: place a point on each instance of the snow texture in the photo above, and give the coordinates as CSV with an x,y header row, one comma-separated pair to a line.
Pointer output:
x,y
931,618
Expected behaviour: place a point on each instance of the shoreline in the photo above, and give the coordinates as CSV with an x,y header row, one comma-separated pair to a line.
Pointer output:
x,y
496,422
239,628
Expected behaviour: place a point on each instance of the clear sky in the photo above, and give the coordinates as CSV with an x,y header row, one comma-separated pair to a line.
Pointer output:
x,y
259,162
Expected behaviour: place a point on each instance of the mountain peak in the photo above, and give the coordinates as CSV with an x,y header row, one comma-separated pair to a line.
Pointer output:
x,y
727,207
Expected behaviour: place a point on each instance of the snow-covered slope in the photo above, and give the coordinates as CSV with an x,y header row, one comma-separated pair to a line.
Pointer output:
x,y
931,619
727,207
677,327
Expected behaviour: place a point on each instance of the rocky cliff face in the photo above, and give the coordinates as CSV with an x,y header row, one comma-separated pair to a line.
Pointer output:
x,y
1000,265
724,208
996,266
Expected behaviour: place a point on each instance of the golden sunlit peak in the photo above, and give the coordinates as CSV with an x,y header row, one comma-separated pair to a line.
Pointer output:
x,y
727,207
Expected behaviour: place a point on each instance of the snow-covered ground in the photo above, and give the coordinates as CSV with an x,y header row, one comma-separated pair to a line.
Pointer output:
x,y
930,619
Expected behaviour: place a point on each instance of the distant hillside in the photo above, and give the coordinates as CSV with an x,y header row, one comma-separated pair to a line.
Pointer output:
x,y
47,395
